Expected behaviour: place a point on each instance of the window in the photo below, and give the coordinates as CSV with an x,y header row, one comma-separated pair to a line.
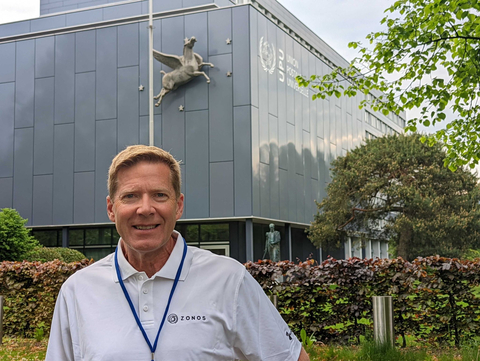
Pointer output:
x,y
49,238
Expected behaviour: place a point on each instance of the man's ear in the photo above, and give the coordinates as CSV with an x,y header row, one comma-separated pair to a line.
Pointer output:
x,y
110,212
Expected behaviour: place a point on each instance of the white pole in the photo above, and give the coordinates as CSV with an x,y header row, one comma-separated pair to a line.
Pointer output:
x,y
150,73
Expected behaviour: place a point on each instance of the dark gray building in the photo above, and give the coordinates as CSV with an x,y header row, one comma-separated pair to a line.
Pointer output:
x,y
255,149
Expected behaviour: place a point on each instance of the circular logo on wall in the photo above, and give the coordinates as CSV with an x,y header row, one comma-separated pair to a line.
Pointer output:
x,y
172,318
267,56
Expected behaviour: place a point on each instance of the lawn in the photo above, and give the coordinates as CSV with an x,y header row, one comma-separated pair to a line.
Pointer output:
x,y
18,349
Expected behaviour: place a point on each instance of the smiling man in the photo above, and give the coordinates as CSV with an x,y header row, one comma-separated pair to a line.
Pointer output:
x,y
155,298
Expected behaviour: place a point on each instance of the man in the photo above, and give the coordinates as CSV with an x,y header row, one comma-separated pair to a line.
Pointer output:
x,y
155,298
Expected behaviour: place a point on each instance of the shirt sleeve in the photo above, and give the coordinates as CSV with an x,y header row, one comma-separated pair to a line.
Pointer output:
x,y
60,346
261,333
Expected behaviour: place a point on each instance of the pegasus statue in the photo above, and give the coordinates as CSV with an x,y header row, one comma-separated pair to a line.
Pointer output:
x,y
184,68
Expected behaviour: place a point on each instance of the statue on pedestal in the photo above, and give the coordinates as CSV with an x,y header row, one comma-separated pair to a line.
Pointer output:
x,y
272,244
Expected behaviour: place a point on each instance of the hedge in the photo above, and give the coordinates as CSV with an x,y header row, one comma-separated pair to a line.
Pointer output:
x,y
30,290
435,299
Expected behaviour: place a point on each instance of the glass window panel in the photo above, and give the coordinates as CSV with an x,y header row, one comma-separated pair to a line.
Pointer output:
x,y
115,235
214,232
75,237
97,253
191,233
47,238
98,236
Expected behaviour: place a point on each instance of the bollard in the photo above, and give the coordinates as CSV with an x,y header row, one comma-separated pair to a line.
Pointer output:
x,y
383,330
274,299
1,320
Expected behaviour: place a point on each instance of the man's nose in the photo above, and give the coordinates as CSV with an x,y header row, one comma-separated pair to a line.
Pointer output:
x,y
145,206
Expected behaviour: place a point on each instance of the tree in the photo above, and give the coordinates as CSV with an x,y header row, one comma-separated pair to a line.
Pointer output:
x,y
396,189
15,239
431,50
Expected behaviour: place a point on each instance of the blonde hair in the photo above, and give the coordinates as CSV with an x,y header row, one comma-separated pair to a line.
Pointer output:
x,y
142,153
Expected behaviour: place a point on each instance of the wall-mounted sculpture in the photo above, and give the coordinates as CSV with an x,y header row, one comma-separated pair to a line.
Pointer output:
x,y
185,68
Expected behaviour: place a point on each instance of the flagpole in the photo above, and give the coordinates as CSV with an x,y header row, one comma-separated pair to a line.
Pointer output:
x,y
150,73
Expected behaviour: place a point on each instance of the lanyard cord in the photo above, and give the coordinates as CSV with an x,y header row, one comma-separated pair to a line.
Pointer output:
x,y
130,303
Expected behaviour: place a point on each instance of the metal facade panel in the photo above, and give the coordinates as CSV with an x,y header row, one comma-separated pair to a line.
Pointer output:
x,y
143,68
42,200
221,109
263,96
241,56
6,195
162,5
274,169
64,78
173,35
264,190
221,189
7,111
122,11
273,75
242,154
43,134
25,83
84,198
128,45
173,124
7,59
84,17
196,91
20,27
45,57
144,130
106,149
284,193
157,66
219,30
306,100
23,173
292,156
106,66
63,155
289,72
47,23
255,162
128,120
85,51
300,194
85,122
253,56
282,101
197,165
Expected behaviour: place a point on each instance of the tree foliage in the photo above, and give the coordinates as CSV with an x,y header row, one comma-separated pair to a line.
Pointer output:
x,y
15,239
431,49
395,188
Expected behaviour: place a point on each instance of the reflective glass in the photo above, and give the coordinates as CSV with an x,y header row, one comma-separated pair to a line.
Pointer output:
x,y
214,232
48,238
75,237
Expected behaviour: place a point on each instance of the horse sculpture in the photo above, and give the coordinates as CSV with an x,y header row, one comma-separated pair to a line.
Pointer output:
x,y
184,68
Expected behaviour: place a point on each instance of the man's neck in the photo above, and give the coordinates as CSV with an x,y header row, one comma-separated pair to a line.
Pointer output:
x,y
150,263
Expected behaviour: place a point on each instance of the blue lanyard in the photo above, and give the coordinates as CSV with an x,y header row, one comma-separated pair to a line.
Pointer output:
x,y
127,296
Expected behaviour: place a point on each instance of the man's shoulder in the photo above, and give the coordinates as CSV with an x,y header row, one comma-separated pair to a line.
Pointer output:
x,y
93,273
205,259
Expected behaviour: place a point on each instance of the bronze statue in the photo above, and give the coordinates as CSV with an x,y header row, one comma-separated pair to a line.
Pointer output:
x,y
272,244
185,68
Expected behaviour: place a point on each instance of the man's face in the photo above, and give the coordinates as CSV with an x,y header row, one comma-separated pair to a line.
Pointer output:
x,y
145,208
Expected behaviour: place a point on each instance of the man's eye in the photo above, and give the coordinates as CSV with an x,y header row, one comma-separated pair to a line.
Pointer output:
x,y
160,195
128,196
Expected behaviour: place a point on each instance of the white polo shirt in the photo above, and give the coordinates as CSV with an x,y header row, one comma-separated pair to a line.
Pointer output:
x,y
218,312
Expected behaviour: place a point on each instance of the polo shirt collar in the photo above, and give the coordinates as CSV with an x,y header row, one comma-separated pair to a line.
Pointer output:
x,y
169,270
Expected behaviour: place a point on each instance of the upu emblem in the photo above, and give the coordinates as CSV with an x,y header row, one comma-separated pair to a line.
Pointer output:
x,y
267,56
172,318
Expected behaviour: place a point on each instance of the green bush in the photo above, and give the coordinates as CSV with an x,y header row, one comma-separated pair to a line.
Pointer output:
x,y
70,255
47,254
15,239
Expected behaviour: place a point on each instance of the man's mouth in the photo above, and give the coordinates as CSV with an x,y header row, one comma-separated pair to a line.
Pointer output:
x,y
144,228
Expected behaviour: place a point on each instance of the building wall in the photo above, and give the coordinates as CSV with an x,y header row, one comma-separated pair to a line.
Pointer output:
x,y
70,102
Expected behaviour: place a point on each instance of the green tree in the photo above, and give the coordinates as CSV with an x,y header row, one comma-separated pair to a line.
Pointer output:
x,y
431,50
395,188
15,239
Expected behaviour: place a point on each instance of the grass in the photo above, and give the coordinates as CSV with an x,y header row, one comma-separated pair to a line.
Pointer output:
x,y
21,349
